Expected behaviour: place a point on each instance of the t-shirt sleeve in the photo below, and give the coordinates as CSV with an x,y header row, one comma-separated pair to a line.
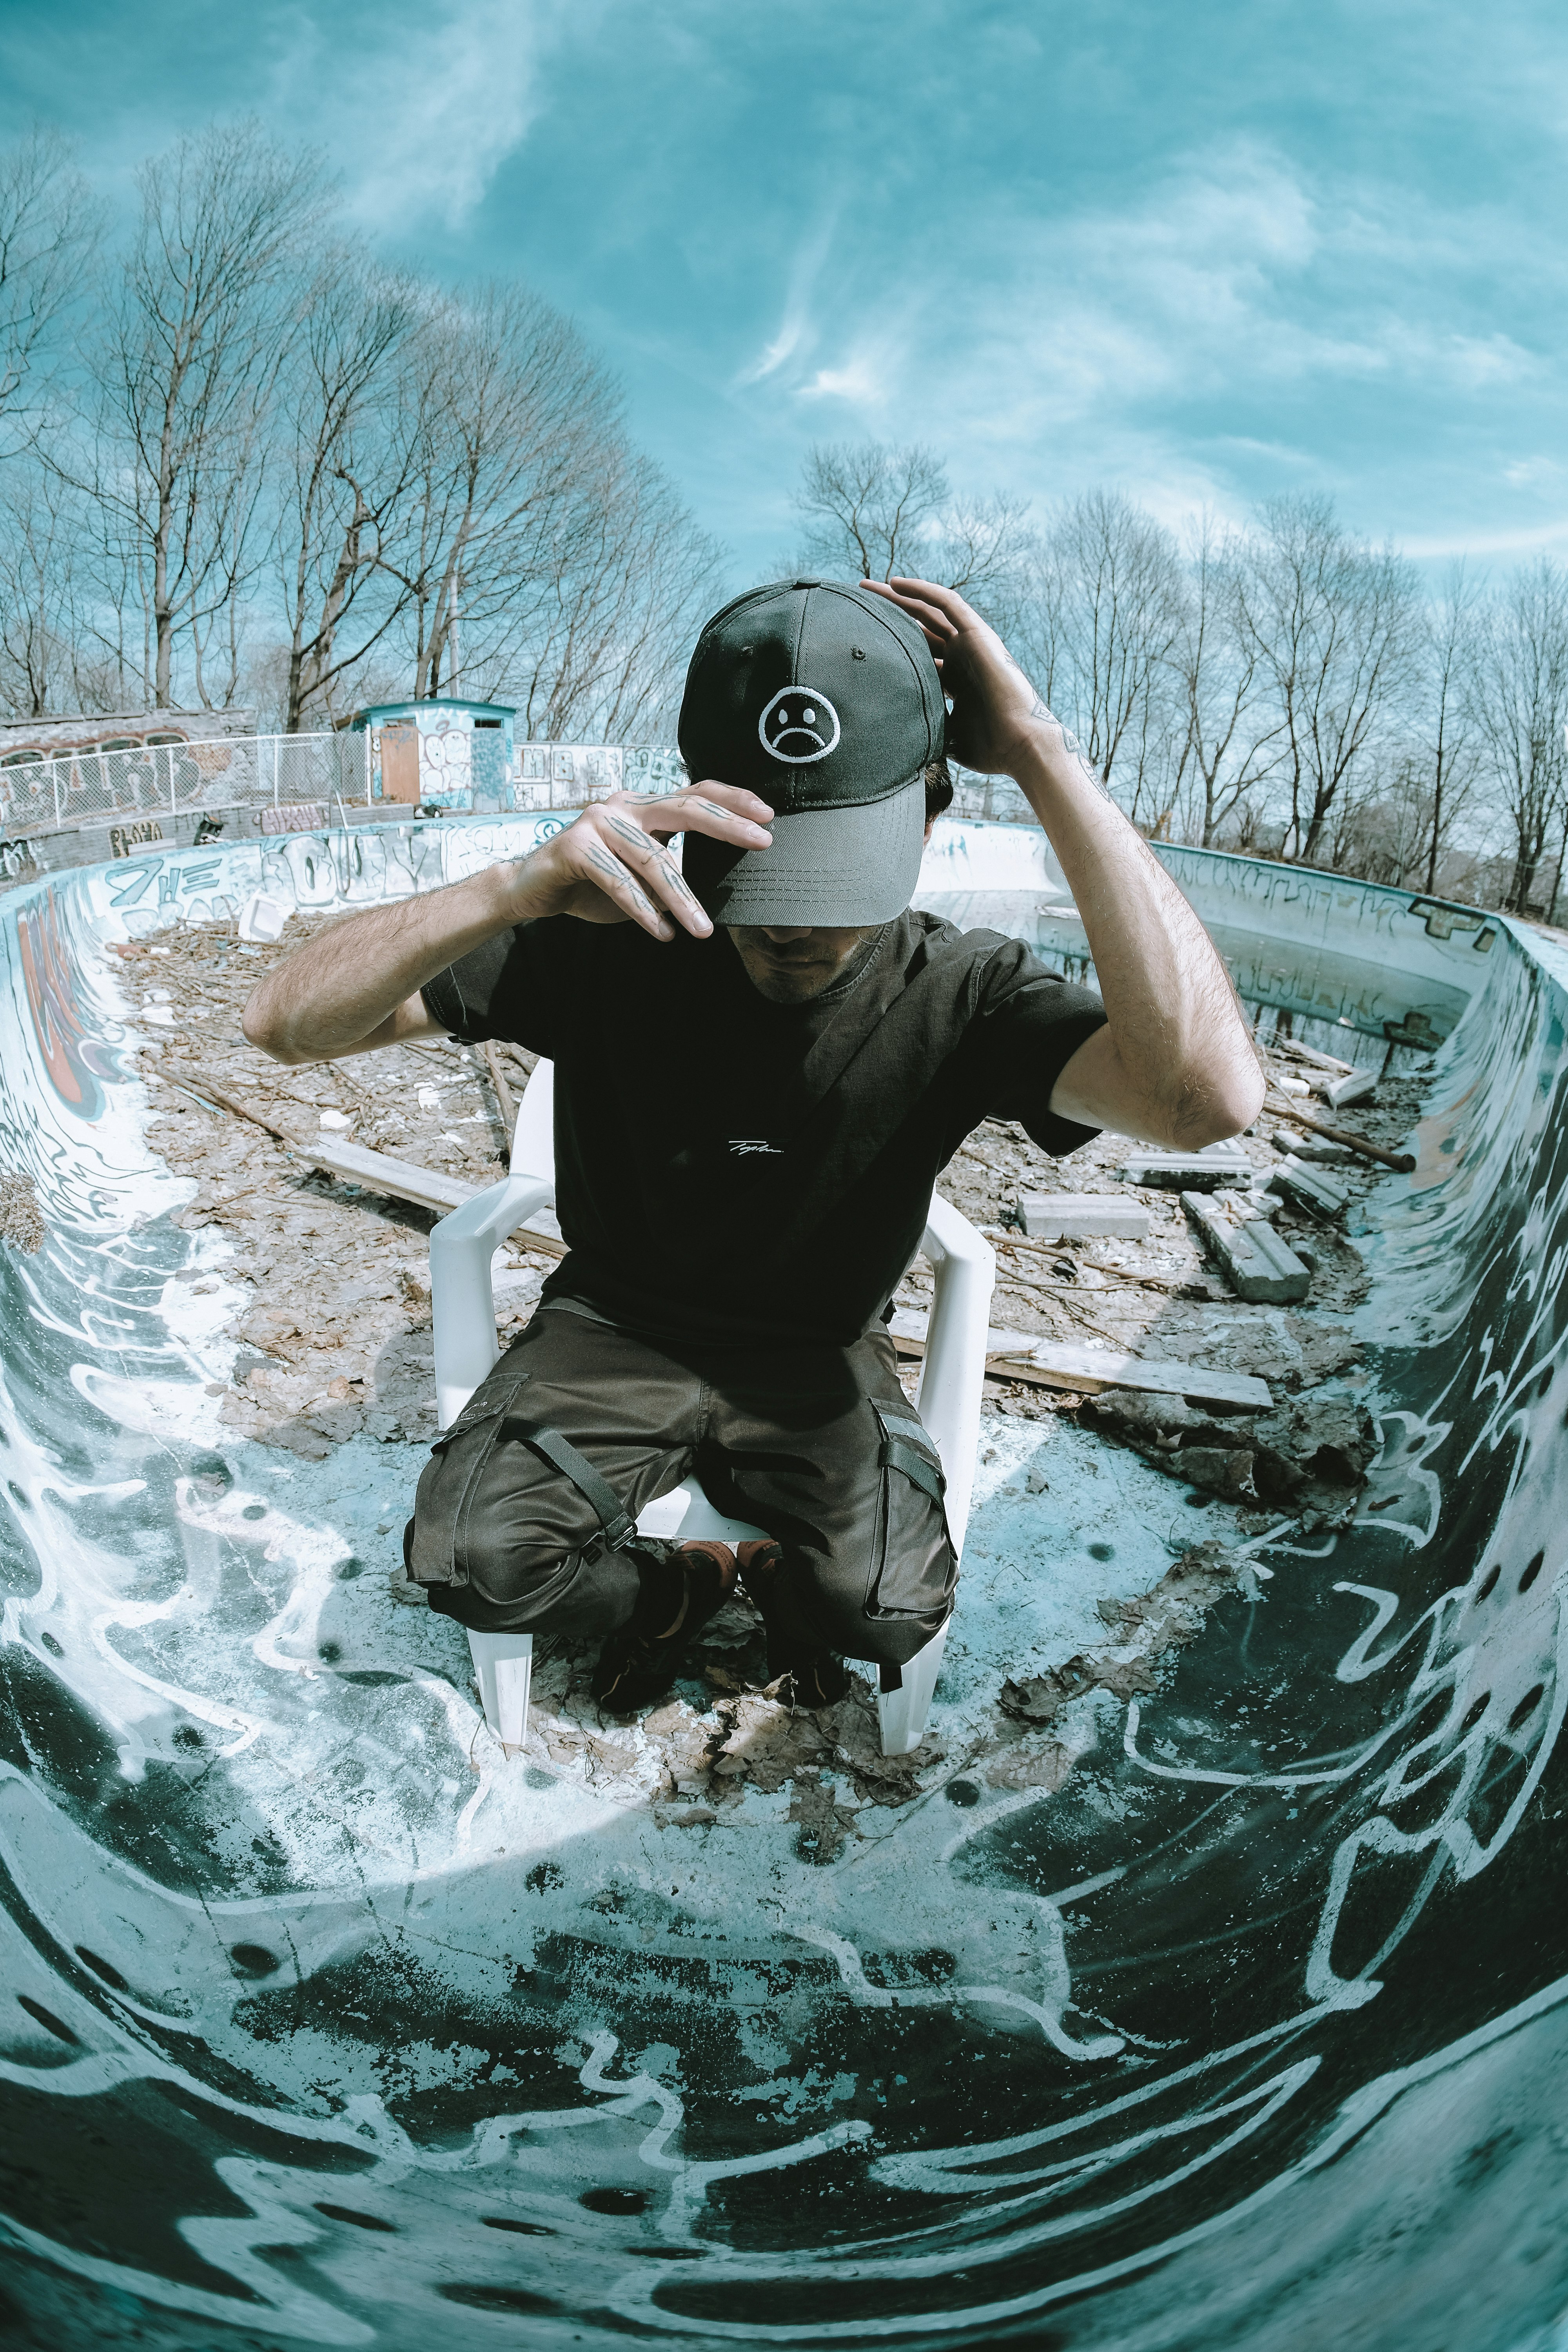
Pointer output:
x,y
513,987
1027,1028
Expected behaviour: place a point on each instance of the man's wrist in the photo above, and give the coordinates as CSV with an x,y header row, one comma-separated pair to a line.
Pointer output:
x,y
1049,762
516,885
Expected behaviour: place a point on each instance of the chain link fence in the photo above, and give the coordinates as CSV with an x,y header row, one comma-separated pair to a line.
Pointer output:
x,y
280,772
159,780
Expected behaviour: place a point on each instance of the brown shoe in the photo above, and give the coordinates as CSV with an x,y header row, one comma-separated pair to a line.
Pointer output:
x,y
678,1596
816,1676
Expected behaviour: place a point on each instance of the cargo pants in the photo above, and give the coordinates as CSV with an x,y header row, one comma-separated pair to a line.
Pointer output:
x,y
816,1445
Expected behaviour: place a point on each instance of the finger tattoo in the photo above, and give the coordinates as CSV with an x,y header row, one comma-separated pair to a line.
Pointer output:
x,y
615,873
632,834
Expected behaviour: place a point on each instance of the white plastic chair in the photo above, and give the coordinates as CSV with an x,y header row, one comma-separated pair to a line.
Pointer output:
x,y
951,1377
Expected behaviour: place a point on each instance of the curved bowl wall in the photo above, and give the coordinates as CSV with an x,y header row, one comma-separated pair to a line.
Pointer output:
x,y
322,2024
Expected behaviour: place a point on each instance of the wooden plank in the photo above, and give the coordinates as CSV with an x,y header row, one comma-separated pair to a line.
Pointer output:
x,y
1087,1369
402,1180
1352,1140
1050,1363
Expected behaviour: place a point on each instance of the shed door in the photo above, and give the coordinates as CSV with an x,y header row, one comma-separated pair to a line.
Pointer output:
x,y
400,761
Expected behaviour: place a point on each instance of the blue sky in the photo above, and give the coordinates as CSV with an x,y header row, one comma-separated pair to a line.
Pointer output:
x,y
1206,253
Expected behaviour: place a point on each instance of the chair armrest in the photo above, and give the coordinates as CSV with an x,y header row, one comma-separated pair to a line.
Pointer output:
x,y
462,1300
953,1373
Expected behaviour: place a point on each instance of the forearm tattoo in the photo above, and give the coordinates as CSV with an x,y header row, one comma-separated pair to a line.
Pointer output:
x,y
1073,747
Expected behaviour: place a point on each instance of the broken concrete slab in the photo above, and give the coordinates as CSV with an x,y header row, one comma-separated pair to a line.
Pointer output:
x,y
1333,1437
1186,1171
1308,1188
1360,1086
1082,1216
1316,1150
1259,1266
1225,1471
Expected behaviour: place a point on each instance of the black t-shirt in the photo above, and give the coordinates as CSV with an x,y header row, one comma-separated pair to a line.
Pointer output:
x,y
728,1169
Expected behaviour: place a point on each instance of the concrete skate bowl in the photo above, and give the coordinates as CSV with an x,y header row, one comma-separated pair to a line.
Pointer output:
x,y
326,2024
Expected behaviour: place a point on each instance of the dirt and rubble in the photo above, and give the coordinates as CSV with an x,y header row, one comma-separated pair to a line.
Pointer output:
x,y
21,1219
333,1343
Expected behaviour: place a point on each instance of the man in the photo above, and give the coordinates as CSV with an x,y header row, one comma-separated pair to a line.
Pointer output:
x,y
763,1060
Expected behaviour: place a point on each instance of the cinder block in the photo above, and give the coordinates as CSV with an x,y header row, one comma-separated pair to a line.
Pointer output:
x,y
1308,1187
1259,1266
1316,1150
1182,1171
1360,1086
1082,1216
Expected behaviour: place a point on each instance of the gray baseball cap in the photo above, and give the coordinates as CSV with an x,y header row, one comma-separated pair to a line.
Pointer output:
x,y
824,698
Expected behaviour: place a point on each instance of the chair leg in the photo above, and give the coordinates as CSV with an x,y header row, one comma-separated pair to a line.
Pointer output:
x,y
504,1666
904,1696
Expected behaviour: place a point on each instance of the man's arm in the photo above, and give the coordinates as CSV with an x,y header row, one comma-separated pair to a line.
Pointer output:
x,y
358,986
1176,1063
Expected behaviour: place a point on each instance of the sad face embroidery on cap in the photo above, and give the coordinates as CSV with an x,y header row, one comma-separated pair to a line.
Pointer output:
x,y
799,725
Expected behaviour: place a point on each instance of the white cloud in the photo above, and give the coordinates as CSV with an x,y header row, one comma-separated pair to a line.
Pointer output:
x,y
856,382
795,335
435,101
1526,472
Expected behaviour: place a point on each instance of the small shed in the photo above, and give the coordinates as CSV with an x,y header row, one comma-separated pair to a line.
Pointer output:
x,y
440,754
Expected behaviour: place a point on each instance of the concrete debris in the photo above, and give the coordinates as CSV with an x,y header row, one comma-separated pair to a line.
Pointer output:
x,y
824,1820
1316,1150
1082,1216
1308,1188
21,1219
1186,1171
681,1753
1259,1266
1356,1087
1323,1440
1147,1628
1333,1437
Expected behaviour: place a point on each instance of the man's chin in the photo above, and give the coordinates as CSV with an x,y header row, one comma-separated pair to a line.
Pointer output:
x,y
780,985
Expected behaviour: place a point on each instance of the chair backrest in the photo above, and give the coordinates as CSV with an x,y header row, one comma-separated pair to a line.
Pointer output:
x,y
533,1137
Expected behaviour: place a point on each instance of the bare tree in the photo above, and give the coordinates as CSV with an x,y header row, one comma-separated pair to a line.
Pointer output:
x,y
1105,613
614,621
350,443
1518,702
52,657
869,508
1450,745
197,327
1331,621
1230,745
50,223
516,414
880,512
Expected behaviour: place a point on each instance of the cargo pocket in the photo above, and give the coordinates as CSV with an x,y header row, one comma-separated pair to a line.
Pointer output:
x,y
450,1478
913,1569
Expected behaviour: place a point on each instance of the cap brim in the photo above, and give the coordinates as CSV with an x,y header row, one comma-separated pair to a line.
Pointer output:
x,y
835,868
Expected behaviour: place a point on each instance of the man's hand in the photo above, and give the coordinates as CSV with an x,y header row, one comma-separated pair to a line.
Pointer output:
x,y
1176,1063
357,986
614,864
995,710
